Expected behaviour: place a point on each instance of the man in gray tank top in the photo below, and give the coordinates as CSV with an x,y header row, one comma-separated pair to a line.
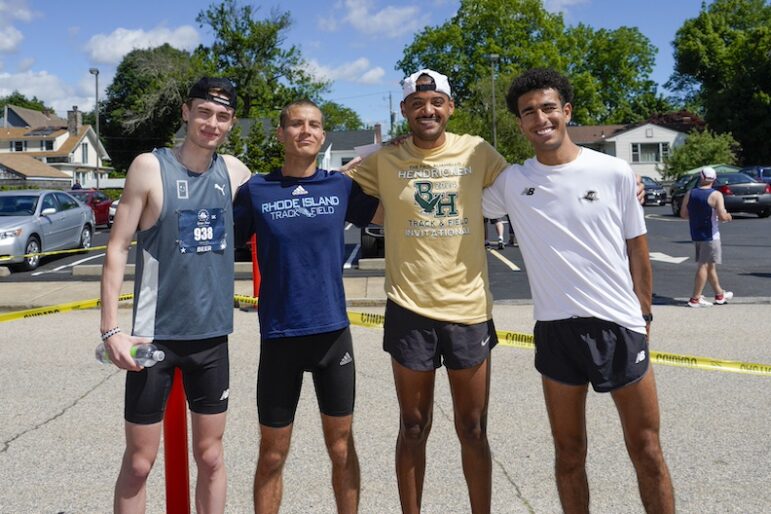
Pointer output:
x,y
179,203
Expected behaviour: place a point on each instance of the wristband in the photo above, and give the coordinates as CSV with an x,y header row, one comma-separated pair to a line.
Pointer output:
x,y
648,317
106,335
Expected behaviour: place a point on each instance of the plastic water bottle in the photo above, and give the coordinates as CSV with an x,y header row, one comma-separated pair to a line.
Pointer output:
x,y
146,355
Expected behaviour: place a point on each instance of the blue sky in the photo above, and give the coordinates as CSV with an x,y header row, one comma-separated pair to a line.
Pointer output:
x,y
47,47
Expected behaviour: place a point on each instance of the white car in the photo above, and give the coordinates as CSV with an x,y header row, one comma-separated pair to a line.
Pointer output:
x,y
35,221
112,211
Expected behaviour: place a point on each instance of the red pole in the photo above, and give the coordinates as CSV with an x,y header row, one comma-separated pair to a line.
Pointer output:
x,y
256,277
175,450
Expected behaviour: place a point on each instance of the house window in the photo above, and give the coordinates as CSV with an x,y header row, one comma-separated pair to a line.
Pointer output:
x,y
345,160
18,146
84,151
650,152
46,146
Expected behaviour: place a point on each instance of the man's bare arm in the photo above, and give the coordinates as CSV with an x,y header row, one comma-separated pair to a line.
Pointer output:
x,y
684,206
641,271
238,172
717,202
134,208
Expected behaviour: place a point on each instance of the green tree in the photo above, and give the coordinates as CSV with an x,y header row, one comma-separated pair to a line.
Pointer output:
x,y
701,148
263,151
20,100
723,63
251,52
142,108
235,144
339,117
609,69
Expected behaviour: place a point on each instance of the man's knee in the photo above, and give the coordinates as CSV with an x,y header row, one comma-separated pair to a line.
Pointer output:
x,y
645,450
472,430
415,429
271,459
137,468
209,458
341,450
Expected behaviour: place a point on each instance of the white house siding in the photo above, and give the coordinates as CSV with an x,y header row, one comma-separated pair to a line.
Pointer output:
x,y
646,134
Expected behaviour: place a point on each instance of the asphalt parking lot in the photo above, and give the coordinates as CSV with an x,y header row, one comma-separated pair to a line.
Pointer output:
x,y
62,430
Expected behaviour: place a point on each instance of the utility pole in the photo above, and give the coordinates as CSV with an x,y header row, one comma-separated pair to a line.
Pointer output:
x,y
95,73
391,112
493,60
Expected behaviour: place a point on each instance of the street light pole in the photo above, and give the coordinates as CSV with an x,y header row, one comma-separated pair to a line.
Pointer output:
x,y
95,73
493,60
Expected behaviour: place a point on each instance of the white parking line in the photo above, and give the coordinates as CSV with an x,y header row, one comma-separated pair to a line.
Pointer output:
x,y
68,265
659,217
504,260
351,257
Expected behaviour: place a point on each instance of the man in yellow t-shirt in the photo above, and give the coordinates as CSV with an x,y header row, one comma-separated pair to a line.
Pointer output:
x,y
439,305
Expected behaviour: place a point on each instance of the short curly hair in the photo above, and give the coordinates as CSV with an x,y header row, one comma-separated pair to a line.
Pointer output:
x,y
537,79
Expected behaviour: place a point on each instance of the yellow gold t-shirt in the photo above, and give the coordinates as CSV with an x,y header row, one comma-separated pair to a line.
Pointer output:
x,y
435,258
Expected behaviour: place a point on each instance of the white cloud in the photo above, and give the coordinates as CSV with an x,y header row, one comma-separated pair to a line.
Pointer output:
x,y
373,76
391,21
10,11
48,88
562,5
15,10
26,64
327,23
362,15
358,71
110,48
10,38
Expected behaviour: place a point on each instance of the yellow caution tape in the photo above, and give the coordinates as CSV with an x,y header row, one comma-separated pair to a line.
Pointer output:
x,y
58,252
505,338
54,309
522,340
251,300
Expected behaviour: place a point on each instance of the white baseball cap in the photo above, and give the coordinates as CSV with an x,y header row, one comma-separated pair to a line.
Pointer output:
x,y
441,84
708,173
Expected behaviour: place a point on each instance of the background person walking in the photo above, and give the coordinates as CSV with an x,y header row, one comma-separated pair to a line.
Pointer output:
x,y
703,207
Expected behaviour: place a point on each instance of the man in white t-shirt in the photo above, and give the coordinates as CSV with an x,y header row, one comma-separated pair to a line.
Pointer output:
x,y
584,242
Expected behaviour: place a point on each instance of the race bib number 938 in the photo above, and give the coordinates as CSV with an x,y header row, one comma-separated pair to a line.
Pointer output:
x,y
201,230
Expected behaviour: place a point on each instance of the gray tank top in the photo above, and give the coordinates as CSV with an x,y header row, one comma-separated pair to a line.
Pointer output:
x,y
183,286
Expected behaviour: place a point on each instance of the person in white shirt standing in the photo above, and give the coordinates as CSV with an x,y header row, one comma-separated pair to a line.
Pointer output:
x,y
583,238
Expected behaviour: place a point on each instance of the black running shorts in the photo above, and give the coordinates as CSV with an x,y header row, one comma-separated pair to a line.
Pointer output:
x,y
422,344
577,351
205,374
283,361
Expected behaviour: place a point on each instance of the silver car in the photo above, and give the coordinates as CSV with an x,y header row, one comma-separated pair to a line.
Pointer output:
x,y
34,221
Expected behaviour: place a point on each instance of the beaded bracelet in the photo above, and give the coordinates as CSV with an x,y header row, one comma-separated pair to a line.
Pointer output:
x,y
106,335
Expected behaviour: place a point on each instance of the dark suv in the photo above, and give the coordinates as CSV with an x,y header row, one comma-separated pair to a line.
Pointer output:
x,y
741,193
654,192
761,173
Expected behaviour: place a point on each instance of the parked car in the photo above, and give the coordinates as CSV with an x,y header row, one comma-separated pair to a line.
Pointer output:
x,y
33,221
741,193
761,173
654,192
98,201
111,212
372,241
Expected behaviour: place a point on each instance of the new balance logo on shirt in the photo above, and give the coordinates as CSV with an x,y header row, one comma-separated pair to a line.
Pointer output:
x,y
591,196
299,190
529,191
346,359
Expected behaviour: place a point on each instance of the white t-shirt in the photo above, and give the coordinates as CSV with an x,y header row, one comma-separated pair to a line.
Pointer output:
x,y
572,222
